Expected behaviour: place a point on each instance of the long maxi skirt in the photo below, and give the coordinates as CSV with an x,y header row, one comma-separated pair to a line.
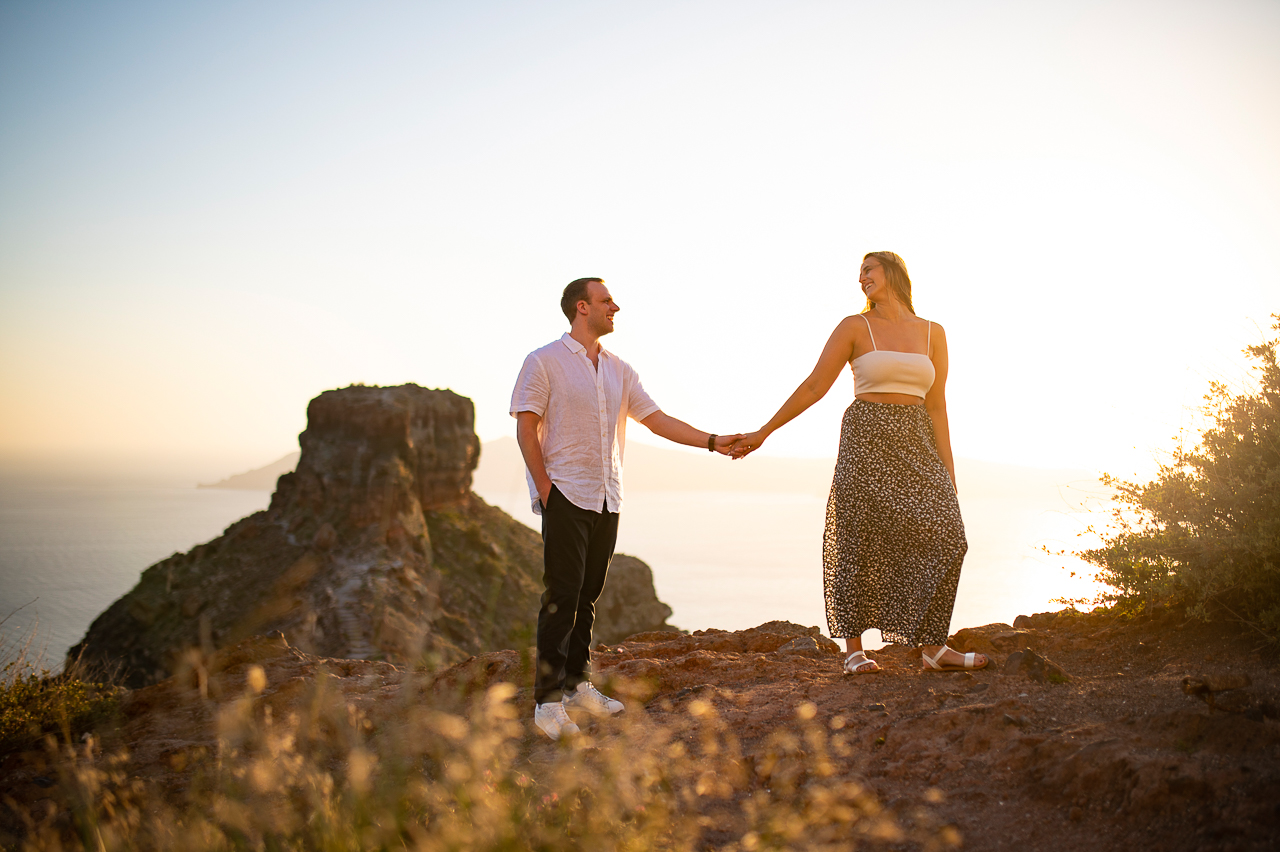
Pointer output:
x,y
894,540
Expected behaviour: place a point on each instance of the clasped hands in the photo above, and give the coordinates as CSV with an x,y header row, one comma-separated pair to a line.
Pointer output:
x,y
739,446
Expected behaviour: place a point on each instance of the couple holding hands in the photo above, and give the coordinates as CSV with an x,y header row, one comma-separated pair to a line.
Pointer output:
x,y
894,540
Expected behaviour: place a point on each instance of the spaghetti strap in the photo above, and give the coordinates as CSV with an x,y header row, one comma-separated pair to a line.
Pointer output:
x,y
869,331
928,341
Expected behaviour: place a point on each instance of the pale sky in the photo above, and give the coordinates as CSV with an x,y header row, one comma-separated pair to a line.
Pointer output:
x,y
212,212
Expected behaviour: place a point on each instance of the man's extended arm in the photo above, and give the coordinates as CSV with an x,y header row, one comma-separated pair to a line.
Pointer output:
x,y
666,426
527,424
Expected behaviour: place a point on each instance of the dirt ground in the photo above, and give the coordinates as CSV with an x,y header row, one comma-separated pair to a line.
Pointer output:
x,y
1079,735
1100,748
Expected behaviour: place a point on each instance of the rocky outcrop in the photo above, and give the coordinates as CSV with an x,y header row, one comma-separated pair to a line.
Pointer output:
x,y
629,603
373,548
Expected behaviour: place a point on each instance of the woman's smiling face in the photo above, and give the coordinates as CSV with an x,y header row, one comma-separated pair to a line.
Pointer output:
x,y
873,280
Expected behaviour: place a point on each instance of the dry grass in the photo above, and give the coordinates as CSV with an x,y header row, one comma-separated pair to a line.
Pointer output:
x,y
470,776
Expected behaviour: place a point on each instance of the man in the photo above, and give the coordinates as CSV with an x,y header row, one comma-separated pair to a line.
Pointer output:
x,y
571,404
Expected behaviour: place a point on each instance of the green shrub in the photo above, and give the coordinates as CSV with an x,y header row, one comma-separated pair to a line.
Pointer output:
x,y
1205,534
35,703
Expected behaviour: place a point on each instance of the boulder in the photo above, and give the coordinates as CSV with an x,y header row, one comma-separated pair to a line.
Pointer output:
x,y
810,646
629,603
1038,668
996,638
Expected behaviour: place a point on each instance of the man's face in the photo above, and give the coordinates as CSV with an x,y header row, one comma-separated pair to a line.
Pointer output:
x,y
600,309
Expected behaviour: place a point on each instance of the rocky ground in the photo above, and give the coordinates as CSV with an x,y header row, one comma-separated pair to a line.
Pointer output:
x,y
1114,755
1089,742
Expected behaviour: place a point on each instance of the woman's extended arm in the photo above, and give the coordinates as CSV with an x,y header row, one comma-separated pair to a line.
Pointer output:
x,y
835,355
935,402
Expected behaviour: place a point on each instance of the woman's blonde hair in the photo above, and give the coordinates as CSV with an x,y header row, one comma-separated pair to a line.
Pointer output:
x,y
895,270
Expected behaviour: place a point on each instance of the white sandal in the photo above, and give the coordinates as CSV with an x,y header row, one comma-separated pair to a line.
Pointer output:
x,y
931,664
859,667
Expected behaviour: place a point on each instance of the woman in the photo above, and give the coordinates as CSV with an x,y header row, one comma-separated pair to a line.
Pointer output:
x,y
894,539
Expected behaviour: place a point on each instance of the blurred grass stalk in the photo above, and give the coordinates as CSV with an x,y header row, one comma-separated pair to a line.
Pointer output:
x,y
465,773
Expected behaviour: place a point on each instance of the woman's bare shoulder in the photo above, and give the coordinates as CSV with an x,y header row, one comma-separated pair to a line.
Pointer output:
x,y
849,334
852,328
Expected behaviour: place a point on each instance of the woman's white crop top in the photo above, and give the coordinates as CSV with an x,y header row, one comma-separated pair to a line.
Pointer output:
x,y
886,371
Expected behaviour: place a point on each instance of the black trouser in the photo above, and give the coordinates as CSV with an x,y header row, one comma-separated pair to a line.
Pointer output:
x,y
577,545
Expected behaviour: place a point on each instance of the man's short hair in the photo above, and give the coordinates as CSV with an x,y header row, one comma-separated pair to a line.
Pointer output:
x,y
573,294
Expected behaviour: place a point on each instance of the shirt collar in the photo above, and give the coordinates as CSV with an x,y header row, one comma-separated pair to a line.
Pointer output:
x,y
575,347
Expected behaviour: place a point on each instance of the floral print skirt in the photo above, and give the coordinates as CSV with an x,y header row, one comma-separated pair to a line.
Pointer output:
x,y
894,539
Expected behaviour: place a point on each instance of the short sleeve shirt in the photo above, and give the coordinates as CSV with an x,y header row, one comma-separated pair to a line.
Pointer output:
x,y
584,413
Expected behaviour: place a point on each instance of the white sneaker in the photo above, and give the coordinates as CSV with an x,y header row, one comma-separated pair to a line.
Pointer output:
x,y
587,697
553,721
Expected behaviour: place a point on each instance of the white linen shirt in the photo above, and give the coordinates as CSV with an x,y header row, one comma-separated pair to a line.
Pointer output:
x,y
584,414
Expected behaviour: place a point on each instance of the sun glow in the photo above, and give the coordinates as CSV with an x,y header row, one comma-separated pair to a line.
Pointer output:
x,y
190,250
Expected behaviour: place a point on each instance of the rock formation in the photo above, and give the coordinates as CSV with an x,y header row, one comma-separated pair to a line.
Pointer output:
x,y
374,548
629,603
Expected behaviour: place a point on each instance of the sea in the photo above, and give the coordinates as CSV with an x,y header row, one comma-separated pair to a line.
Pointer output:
x,y
727,559
732,560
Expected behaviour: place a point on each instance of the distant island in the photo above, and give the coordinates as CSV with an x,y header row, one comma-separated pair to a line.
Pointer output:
x,y
259,479
652,468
